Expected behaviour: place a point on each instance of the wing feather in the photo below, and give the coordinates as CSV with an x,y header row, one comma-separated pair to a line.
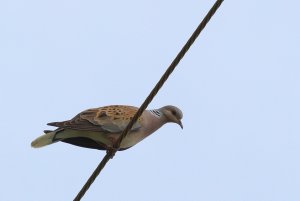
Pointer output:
x,y
111,119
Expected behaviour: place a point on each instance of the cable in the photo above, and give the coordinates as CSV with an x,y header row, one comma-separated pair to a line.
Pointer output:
x,y
150,97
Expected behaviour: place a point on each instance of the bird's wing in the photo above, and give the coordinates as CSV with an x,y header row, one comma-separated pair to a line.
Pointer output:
x,y
111,119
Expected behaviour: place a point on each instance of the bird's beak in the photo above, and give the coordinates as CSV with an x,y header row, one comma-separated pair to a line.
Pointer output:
x,y
180,124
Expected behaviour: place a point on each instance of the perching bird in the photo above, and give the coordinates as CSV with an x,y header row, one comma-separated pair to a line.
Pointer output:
x,y
99,128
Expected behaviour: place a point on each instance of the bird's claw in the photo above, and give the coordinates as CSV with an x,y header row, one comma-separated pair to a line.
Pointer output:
x,y
111,151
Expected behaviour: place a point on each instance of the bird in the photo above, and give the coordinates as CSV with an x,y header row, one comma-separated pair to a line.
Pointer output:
x,y
99,128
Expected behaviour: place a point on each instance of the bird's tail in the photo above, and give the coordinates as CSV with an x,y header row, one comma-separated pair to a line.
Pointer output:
x,y
43,140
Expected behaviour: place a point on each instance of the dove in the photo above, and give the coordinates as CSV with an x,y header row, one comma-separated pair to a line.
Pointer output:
x,y
99,128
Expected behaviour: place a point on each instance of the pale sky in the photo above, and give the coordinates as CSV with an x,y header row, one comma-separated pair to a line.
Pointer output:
x,y
238,88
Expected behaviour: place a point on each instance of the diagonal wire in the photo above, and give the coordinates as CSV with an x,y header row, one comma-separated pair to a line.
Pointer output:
x,y
150,97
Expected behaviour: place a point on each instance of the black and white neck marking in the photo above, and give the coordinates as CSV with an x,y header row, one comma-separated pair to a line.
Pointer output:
x,y
156,113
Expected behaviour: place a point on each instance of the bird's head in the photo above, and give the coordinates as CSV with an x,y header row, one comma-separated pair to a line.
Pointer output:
x,y
172,114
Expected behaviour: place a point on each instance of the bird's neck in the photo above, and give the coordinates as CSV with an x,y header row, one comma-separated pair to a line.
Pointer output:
x,y
157,118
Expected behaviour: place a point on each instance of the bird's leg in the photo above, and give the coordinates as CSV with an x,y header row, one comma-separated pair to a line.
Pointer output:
x,y
111,149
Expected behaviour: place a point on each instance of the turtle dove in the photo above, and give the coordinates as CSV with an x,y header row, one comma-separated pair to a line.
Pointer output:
x,y
99,128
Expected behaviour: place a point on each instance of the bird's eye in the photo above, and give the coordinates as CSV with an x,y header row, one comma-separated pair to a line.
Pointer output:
x,y
174,112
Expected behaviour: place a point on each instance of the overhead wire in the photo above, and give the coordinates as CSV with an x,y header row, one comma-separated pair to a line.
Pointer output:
x,y
110,153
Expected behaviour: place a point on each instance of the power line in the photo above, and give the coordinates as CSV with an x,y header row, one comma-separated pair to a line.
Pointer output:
x,y
150,97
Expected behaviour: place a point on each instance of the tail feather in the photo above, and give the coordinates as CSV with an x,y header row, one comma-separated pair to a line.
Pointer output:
x,y
43,140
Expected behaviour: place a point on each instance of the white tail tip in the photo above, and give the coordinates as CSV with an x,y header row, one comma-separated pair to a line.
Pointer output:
x,y
43,140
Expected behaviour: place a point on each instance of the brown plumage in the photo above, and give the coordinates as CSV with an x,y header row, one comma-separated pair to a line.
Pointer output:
x,y
99,128
112,118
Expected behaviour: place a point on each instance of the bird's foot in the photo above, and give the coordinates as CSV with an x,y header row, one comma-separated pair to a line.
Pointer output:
x,y
111,151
